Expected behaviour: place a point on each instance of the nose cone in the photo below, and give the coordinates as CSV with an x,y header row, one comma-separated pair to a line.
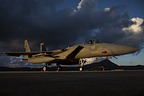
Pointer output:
x,y
130,49
121,50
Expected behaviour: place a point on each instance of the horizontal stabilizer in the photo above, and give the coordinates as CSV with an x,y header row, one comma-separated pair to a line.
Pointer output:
x,y
20,53
42,48
25,53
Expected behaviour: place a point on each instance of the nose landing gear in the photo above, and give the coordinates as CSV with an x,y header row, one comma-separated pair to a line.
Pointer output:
x,y
81,62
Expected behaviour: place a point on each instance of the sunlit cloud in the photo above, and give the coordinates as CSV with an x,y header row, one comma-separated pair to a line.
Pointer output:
x,y
136,27
107,9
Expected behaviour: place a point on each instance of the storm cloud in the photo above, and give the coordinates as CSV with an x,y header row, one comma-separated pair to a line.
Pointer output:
x,y
59,26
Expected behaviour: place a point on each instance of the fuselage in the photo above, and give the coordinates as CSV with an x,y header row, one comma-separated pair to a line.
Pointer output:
x,y
88,51
104,49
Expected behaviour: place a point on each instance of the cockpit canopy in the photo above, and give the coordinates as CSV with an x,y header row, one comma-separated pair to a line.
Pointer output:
x,y
93,42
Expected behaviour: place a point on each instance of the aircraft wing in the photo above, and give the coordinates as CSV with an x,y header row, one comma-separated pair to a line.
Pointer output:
x,y
75,52
70,53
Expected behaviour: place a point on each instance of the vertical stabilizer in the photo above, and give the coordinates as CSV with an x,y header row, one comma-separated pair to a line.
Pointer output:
x,y
42,47
26,46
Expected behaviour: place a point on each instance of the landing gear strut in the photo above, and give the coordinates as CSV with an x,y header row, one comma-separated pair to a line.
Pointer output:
x,y
81,62
58,67
45,68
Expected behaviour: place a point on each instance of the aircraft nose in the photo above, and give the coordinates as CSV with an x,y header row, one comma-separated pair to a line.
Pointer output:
x,y
127,49
121,50
132,49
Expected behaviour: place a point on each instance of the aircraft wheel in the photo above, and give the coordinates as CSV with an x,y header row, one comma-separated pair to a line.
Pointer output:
x,y
58,69
44,68
80,69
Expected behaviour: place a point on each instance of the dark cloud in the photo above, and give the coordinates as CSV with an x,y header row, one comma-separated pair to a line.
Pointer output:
x,y
44,20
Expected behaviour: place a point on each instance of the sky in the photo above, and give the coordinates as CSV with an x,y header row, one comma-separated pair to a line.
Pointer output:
x,y
62,23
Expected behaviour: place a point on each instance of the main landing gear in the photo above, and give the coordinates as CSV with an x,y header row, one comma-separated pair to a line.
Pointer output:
x,y
58,67
45,68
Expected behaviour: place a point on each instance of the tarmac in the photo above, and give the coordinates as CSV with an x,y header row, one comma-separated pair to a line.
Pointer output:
x,y
69,83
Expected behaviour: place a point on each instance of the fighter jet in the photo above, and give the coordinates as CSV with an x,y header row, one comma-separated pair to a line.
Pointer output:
x,y
73,54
